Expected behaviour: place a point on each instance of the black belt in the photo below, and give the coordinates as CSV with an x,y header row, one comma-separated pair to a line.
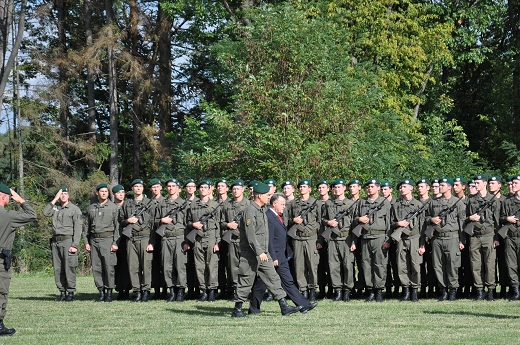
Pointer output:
x,y
448,234
376,232
105,234
478,233
173,234
59,238
141,232
306,234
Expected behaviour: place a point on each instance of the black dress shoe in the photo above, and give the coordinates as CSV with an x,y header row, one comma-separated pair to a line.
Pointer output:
x,y
4,331
146,296
138,296
306,308
70,297
63,296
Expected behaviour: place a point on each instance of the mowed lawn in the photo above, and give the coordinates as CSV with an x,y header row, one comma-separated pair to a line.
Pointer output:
x,y
38,319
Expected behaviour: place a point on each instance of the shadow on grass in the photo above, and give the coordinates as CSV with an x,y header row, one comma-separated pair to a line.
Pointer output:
x,y
209,310
54,297
463,313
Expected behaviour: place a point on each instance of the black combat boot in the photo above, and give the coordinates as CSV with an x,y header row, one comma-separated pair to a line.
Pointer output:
x,y
322,293
516,294
379,295
443,295
287,309
108,296
63,296
491,294
212,295
101,297
180,295
268,296
452,294
70,297
172,295
146,296
138,296
388,292
4,330
305,294
203,297
312,295
346,295
338,295
406,294
414,297
371,296
237,311
480,295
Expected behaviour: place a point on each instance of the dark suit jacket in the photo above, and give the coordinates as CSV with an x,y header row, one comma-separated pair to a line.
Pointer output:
x,y
277,238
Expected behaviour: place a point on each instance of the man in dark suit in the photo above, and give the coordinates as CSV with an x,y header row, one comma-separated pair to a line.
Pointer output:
x,y
278,249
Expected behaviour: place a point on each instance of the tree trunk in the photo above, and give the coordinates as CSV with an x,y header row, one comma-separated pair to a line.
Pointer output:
x,y
514,20
64,106
90,84
136,134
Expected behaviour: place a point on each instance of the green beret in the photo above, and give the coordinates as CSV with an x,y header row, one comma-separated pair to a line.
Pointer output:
x,y
372,181
436,180
322,182
509,178
172,180
516,177
153,182
261,188
459,179
253,183
117,188
338,181
305,182
101,185
270,181
482,177
354,181
423,180
4,189
237,182
405,181
223,180
203,182
63,189
137,181
386,183
495,178
447,180
287,183
188,181
472,181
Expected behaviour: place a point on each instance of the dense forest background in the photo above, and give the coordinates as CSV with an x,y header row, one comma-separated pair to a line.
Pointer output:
x,y
106,91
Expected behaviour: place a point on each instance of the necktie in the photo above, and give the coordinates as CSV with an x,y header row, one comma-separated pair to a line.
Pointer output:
x,y
280,218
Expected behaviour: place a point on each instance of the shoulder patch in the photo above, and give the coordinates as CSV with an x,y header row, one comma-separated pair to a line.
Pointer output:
x,y
248,222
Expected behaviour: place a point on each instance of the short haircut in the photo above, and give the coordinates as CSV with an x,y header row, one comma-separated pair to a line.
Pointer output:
x,y
275,198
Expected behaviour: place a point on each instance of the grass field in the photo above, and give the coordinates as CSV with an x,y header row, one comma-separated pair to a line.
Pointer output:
x,y
38,319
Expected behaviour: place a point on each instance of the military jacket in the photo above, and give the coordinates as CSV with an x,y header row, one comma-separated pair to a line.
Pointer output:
x,y
230,209
379,221
311,222
489,218
451,222
101,220
178,223
510,206
254,232
66,221
10,220
403,208
144,226
199,209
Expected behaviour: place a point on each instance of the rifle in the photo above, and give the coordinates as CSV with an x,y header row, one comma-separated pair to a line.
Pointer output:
x,y
503,230
226,236
327,233
8,258
357,230
203,219
171,213
303,213
127,230
396,235
469,228
443,213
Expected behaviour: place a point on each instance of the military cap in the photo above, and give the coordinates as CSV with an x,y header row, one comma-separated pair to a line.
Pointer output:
x,y
354,181
237,182
137,181
188,181
305,182
447,180
223,180
459,179
516,177
101,185
153,182
495,178
270,181
386,183
338,181
372,181
320,182
509,178
117,188
472,181
436,180
4,189
173,180
405,181
423,180
64,189
253,183
287,183
482,177
203,182
261,188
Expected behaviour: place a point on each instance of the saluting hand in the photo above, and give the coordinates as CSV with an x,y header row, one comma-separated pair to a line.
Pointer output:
x,y
16,197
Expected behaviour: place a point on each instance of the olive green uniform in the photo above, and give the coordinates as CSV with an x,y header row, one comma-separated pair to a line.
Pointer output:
x,y
254,240
139,260
509,207
67,223
306,257
101,233
9,221
157,273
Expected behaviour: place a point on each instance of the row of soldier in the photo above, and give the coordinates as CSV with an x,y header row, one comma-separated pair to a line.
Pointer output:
x,y
173,243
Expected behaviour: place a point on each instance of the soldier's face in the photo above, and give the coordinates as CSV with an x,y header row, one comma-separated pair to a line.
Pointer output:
x,y
102,194
444,187
354,189
264,198
423,189
494,186
386,191
172,188
288,190
237,191
190,188
304,189
436,188
472,189
372,189
323,189
204,190
339,190
515,186
458,187
279,205
64,197
480,185
272,188
405,189
156,189
510,187
119,196
137,189
222,188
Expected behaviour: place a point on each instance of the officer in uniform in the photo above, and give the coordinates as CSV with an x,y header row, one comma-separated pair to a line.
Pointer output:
x,y
254,255
123,285
101,241
495,186
354,187
223,274
428,280
140,240
174,259
155,209
67,222
9,222
375,238
465,275
323,265
190,187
